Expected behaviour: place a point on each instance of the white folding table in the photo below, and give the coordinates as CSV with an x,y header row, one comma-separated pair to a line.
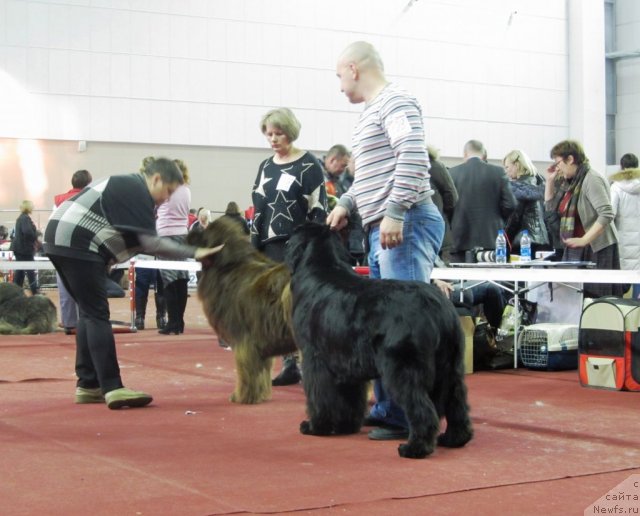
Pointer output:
x,y
535,271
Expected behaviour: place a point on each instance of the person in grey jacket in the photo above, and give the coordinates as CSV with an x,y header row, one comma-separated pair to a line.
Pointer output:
x,y
586,214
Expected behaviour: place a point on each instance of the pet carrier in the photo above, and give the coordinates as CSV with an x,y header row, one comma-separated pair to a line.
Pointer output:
x,y
609,348
549,346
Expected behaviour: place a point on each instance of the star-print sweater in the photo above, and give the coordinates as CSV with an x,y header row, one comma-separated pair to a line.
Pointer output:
x,y
285,196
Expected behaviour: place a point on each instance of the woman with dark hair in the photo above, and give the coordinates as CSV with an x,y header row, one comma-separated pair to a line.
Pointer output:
x,y
233,212
583,204
173,222
108,222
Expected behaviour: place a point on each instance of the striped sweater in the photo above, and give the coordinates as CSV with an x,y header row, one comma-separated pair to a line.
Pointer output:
x,y
392,164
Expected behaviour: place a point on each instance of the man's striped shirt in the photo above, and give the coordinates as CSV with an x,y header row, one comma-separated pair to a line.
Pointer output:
x,y
392,164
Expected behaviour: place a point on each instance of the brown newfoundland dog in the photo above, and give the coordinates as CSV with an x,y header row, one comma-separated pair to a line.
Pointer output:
x,y
352,329
245,297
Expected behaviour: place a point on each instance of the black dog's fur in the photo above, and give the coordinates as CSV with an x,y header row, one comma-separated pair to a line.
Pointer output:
x,y
352,329
22,315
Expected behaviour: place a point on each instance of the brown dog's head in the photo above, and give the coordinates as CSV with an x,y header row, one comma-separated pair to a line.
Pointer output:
x,y
223,230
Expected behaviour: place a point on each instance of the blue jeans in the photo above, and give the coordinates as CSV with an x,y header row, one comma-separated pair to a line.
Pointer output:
x,y
422,236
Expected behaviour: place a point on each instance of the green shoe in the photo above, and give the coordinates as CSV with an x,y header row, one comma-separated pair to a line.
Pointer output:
x,y
124,397
89,395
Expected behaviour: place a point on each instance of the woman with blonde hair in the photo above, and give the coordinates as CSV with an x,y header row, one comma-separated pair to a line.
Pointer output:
x,y
528,189
24,245
289,190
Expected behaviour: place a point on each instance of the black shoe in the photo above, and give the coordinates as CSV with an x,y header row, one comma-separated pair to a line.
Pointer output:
x,y
372,421
169,330
289,375
161,322
69,330
389,433
139,322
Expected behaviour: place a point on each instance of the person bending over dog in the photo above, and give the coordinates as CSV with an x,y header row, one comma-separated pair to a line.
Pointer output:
x,y
107,223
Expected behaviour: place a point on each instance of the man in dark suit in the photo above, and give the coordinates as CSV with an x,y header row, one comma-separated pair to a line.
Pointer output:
x,y
485,202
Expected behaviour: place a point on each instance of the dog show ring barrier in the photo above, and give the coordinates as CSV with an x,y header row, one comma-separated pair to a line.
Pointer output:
x,y
530,272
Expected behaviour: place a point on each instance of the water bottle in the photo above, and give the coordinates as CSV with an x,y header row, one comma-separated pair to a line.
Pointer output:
x,y
525,246
501,247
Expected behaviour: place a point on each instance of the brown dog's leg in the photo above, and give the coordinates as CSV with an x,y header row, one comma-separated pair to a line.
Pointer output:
x,y
253,375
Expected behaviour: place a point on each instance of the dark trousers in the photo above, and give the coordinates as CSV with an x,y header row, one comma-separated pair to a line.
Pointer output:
x,y
96,360
176,294
18,277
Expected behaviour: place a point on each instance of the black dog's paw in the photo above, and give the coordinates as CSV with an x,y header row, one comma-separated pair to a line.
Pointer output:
x,y
413,451
305,428
455,439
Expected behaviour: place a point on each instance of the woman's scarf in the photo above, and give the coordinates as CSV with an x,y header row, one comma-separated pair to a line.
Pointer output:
x,y
568,217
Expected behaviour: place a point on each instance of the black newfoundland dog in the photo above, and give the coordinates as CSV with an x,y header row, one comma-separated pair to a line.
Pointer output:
x,y
352,329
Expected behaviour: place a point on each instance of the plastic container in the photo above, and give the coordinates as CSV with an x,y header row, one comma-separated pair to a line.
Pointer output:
x,y
501,247
525,246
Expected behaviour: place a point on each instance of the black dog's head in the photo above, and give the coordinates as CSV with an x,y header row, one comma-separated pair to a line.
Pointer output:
x,y
317,242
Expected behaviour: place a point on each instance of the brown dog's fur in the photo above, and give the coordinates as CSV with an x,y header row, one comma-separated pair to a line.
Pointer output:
x,y
246,299
22,315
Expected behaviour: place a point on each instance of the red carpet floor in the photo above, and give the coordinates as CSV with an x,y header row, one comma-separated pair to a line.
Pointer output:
x,y
543,444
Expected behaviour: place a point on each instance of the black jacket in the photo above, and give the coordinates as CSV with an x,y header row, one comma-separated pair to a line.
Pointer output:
x,y
529,212
24,241
485,203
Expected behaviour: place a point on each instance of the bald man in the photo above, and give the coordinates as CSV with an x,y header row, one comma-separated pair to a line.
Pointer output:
x,y
391,192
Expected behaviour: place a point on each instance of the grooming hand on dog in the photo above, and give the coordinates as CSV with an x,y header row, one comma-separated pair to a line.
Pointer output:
x,y
352,329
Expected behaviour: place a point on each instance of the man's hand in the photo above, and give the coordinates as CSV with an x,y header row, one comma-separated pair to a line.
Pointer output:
x,y
390,233
445,288
338,218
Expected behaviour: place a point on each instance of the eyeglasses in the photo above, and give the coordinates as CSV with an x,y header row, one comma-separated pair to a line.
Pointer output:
x,y
556,163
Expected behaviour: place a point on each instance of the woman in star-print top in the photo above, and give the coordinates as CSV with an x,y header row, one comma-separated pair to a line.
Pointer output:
x,y
288,191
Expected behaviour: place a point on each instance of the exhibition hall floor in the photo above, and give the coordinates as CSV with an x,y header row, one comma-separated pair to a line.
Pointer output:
x,y
542,445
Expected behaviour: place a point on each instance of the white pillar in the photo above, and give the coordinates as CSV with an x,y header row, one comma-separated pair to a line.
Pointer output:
x,y
587,108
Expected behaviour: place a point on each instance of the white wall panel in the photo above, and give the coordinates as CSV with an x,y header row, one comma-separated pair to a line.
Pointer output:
x,y
40,31
59,71
628,78
100,74
165,66
140,119
100,24
37,79
160,78
16,22
72,16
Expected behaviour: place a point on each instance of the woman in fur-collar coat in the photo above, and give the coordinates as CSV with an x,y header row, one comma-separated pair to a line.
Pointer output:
x,y
625,199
